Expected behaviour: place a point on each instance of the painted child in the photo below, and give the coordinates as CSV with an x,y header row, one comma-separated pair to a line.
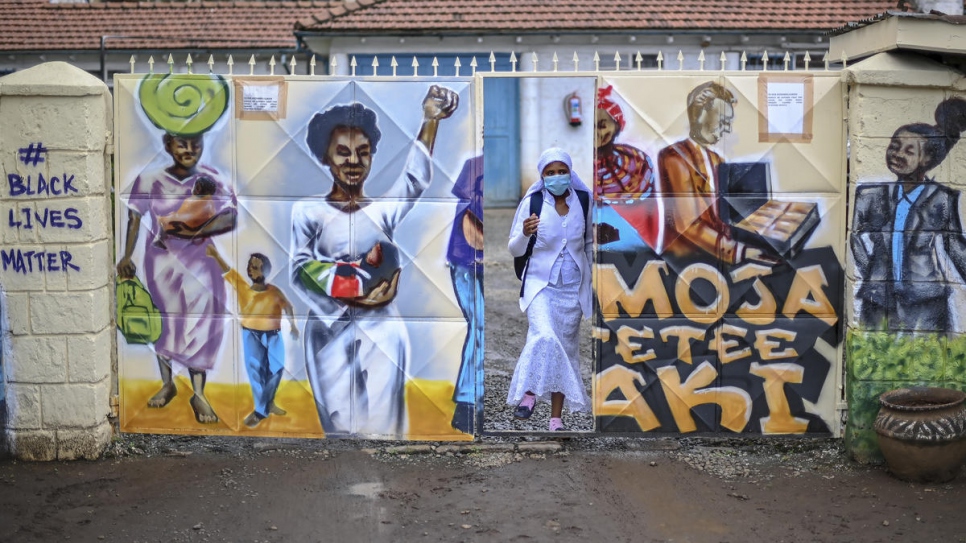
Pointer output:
x,y
261,306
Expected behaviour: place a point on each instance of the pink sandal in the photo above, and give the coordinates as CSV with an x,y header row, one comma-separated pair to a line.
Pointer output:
x,y
525,409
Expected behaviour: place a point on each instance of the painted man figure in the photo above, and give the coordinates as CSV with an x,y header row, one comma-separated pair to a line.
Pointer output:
x,y
689,184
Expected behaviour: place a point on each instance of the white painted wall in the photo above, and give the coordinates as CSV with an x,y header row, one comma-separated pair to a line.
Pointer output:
x,y
58,339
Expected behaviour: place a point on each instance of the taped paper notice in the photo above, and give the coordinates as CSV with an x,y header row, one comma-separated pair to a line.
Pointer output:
x,y
785,108
260,98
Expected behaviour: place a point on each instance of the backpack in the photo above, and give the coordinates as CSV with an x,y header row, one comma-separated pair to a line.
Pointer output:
x,y
536,205
138,319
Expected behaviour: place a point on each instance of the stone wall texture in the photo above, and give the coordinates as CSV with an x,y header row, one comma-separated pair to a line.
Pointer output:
x,y
904,280
55,263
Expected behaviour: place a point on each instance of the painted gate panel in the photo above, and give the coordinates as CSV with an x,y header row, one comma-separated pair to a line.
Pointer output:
x,y
290,304
720,214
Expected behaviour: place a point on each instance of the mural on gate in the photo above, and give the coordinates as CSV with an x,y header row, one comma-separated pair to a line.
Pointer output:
x,y
719,282
359,310
181,206
909,253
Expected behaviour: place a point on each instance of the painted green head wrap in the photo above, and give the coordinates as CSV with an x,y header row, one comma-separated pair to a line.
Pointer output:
x,y
183,105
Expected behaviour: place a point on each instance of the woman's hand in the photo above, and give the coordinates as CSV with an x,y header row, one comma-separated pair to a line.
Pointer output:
x,y
126,268
530,225
382,294
179,229
472,230
440,103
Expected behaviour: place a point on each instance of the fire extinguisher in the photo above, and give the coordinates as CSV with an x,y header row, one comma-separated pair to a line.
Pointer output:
x,y
572,109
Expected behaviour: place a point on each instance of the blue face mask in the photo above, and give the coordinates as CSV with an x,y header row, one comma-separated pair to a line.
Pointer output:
x,y
557,184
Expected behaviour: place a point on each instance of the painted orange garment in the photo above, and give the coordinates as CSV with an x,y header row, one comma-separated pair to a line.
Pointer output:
x,y
260,311
194,212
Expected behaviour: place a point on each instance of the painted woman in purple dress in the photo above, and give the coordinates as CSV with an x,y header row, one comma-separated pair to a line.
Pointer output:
x,y
186,286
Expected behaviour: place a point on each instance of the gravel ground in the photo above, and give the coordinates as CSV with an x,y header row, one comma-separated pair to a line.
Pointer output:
x,y
753,460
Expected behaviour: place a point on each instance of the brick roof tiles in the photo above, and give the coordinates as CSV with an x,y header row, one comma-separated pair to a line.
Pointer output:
x,y
427,16
39,25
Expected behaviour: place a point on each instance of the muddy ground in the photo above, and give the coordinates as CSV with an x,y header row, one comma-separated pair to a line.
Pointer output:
x,y
502,488
189,489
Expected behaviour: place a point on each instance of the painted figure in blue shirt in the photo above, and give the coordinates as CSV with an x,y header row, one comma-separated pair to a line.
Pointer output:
x,y
465,257
907,233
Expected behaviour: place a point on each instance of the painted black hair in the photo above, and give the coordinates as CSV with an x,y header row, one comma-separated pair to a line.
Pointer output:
x,y
941,137
204,186
354,115
266,263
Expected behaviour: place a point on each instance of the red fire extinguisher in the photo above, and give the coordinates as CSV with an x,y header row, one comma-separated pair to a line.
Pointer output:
x,y
572,109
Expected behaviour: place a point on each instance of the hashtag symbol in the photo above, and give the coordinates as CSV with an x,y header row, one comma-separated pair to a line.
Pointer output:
x,y
33,154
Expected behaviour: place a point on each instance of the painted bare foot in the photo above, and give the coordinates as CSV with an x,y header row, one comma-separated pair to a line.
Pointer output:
x,y
203,411
253,419
276,410
164,396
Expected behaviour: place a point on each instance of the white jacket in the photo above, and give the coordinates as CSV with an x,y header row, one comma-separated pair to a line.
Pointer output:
x,y
551,236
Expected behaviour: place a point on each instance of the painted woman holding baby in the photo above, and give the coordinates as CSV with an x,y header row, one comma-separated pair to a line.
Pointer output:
x,y
185,285
343,266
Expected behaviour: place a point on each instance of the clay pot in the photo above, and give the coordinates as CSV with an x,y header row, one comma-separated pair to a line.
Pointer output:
x,y
922,433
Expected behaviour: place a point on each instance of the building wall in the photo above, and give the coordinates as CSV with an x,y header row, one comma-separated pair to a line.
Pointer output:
x,y
905,290
55,246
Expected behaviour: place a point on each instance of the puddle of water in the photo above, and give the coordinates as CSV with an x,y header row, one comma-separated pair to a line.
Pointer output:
x,y
366,490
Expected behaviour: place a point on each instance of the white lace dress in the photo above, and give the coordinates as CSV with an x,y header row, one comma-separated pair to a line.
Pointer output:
x,y
550,361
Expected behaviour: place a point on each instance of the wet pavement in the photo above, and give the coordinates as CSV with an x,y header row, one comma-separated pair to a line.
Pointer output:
x,y
193,489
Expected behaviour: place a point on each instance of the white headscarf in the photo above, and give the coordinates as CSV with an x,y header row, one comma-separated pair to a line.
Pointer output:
x,y
556,154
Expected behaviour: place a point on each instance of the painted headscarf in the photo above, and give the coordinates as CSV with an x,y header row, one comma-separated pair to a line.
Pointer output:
x,y
556,154
183,105
605,102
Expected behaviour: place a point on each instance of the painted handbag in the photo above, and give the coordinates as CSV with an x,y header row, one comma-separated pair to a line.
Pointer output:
x,y
138,319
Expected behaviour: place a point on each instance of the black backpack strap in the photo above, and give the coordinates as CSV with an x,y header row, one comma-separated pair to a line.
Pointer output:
x,y
584,198
536,206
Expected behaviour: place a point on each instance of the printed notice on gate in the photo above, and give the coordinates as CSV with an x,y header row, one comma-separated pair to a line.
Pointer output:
x,y
260,99
785,108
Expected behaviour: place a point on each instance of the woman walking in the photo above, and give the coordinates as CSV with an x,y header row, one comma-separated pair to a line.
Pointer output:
x,y
556,291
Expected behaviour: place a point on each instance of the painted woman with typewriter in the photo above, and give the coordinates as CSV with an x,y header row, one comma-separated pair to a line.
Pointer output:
x,y
906,233
556,290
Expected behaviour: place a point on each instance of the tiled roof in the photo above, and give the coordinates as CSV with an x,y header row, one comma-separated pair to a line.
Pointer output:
x,y
468,16
39,25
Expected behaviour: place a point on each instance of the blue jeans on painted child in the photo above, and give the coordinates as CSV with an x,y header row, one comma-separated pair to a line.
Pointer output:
x,y
264,360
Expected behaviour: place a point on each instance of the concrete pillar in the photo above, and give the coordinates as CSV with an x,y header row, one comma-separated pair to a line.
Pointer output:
x,y
886,92
55,263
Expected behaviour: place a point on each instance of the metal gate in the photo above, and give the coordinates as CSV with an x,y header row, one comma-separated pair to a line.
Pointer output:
x,y
300,256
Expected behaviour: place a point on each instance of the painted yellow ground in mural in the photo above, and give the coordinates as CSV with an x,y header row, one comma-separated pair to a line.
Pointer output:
x,y
429,405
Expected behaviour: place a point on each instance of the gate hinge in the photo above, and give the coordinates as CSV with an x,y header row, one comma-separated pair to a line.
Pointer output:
x,y
115,404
